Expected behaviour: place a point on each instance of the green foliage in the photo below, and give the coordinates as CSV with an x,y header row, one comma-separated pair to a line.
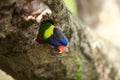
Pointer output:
x,y
71,4
78,74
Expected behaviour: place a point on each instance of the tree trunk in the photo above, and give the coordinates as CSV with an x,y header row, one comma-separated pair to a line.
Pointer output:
x,y
24,59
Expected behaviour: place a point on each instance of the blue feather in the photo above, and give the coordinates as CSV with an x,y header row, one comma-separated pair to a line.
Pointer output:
x,y
58,38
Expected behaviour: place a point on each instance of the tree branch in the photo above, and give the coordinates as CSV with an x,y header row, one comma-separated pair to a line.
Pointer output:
x,y
23,58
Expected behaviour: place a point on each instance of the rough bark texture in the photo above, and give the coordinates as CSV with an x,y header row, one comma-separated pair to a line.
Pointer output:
x,y
25,59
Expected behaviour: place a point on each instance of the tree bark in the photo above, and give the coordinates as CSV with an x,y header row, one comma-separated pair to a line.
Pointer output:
x,y
24,59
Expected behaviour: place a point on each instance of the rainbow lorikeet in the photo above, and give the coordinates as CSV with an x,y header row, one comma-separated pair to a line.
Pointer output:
x,y
48,33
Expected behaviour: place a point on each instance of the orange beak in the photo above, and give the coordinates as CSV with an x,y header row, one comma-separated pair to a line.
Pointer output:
x,y
61,48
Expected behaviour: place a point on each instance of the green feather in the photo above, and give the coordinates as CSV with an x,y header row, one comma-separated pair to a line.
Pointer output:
x,y
46,30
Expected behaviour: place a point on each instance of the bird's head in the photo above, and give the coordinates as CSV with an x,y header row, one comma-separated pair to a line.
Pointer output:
x,y
61,48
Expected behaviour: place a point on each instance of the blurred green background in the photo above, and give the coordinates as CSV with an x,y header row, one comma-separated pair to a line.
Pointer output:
x,y
71,4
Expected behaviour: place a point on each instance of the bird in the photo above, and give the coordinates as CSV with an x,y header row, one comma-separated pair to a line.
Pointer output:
x,y
52,35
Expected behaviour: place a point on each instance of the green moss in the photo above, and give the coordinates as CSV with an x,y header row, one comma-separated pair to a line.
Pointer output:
x,y
78,74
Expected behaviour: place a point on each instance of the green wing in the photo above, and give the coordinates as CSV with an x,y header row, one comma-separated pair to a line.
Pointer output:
x,y
46,30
